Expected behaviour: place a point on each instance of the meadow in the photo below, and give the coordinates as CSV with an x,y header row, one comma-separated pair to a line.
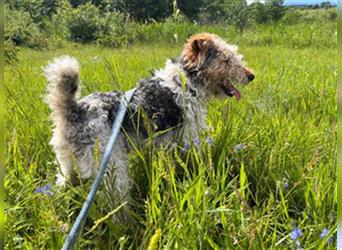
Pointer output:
x,y
265,180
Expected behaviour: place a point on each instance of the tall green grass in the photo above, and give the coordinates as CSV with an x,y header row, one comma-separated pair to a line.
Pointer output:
x,y
298,35
271,165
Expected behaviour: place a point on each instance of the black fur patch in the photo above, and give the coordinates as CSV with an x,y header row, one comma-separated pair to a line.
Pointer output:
x,y
157,103
90,110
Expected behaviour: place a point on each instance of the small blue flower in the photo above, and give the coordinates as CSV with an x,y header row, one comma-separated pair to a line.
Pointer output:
x,y
296,233
187,146
324,233
44,190
209,140
239,147
197,142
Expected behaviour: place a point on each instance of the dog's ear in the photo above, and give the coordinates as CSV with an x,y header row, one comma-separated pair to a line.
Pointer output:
x,y
200,45
196,48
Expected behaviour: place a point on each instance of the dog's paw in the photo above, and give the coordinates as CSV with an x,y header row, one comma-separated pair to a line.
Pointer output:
x,y
61,180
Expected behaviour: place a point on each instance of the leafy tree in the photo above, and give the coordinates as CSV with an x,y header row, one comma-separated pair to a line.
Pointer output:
x,y
190,8
76,3
97,3
231,12
84,23
20,28
145,10
326,4
238,14
257,13
38,9
274,9
270,11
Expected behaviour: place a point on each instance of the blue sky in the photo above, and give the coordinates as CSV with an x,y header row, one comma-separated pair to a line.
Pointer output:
x,y
299,1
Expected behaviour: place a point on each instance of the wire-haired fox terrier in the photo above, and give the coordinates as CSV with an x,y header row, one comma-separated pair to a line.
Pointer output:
x,y
173,99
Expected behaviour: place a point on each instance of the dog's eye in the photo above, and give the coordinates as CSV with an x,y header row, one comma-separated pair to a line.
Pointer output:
x,y
226,60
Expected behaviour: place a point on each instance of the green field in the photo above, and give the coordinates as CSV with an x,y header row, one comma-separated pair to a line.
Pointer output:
x,y
281,175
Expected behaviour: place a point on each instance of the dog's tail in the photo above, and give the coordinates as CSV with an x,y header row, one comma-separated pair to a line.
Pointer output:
x,y
62,77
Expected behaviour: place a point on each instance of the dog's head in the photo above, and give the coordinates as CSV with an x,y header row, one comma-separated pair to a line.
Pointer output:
x,y
218,62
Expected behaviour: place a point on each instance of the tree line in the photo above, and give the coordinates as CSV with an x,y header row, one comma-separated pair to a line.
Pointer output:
x,y
205,11
43,24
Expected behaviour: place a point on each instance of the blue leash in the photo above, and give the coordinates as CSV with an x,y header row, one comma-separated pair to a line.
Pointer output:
x,y
76,228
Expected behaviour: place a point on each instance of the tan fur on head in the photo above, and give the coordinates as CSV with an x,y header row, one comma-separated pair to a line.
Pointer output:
x,y
218,62
196,47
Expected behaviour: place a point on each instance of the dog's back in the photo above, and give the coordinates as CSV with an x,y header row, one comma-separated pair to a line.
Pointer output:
x,y
80,124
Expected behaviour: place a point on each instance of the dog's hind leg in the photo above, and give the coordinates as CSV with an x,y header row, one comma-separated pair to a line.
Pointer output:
x,y
67,166
117,181
65,171
122,177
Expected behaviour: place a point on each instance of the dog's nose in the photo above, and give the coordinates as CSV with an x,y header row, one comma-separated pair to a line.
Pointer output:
x,y
250,77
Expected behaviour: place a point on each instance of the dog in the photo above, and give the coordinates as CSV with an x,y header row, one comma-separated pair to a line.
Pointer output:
x,y
173,99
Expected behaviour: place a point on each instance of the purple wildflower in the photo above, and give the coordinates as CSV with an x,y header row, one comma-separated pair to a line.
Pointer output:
x,y
239,147
330,239
209,140
197,142
324,233
44,190
296,233
186,146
